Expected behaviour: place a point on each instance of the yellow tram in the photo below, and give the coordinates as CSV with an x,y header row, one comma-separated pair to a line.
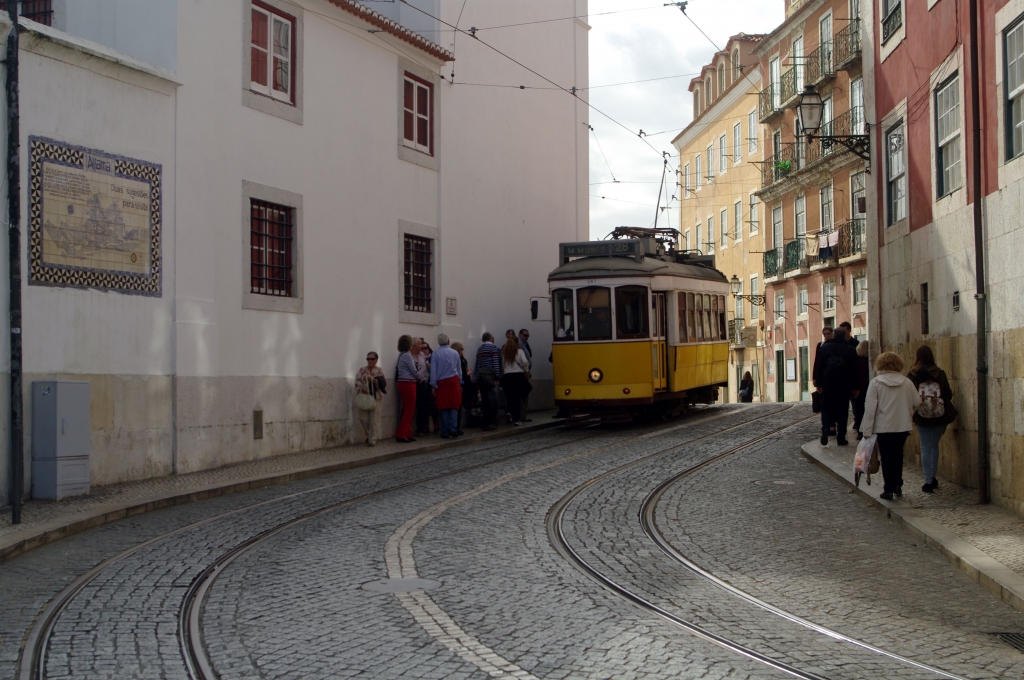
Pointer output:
x,y
638,326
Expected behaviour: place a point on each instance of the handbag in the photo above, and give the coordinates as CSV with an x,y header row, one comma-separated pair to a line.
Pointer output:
x,y
367,402
816,402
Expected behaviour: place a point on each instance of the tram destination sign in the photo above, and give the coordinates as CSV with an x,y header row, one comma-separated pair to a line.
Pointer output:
x,y
620,248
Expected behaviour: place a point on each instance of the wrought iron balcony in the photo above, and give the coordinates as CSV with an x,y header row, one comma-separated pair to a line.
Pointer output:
x,y
796,255
892,22
847,45
769,104
846,125
820,66
852,239
789,89
827,254
778,166
771,263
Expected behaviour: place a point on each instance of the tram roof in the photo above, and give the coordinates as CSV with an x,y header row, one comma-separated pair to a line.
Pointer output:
x,y
594,267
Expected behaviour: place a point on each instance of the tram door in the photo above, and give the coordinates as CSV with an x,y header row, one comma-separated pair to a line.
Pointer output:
x,y
659,346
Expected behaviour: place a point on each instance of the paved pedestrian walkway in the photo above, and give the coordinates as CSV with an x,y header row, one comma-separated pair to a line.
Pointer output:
x,y
985,541
45,521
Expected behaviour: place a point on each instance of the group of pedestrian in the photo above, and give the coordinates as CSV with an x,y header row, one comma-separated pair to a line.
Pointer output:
x,y
436,387
888,406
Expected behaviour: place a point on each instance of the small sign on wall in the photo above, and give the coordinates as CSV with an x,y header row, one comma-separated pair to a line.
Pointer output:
x,y
452,306
791,369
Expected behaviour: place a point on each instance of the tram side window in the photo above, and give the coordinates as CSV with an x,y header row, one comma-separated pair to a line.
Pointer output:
x,y
714,317
683,337
562,301
698,312
722,330
707,318
631,312
595,313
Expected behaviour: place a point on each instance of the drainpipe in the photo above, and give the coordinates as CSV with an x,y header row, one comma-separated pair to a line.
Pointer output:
x,y
14,266
979,262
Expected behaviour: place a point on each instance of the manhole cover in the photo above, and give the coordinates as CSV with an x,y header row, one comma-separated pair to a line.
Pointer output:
x,y
1015,640
401,585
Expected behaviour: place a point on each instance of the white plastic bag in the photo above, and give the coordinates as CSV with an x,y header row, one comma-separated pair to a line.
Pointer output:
x,y
862,461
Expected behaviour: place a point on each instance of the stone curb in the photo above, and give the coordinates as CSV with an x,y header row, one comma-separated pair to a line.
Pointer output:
x,y
990,573
19,542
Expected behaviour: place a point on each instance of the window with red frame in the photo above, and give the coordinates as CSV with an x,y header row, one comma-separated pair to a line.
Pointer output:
x,y
418,109
271,247
40,11
272,53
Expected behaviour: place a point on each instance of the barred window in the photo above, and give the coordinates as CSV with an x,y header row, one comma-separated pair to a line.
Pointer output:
x,y
40,11
1014,51
271,249
947,136
418,274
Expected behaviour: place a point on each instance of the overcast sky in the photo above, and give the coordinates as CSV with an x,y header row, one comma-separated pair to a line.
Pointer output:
x,y
651,41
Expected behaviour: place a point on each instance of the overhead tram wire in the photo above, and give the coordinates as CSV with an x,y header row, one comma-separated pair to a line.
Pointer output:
x,y
610,171
571,91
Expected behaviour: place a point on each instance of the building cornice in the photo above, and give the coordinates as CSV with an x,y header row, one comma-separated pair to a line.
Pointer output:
x,y
736,92
796,17
394,28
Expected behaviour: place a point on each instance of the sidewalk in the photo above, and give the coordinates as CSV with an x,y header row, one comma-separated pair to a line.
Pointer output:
x,y
986,542
43,522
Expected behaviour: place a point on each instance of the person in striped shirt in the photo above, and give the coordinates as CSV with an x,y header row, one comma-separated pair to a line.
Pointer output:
x,y
488,372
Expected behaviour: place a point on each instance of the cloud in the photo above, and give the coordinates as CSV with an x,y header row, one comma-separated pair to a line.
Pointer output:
x,y
650,42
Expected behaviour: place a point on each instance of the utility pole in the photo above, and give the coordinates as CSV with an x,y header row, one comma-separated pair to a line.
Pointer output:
x,y
979,261
17,482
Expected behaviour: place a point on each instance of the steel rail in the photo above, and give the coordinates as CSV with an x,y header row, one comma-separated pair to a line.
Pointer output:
x,y
650,527
38,638
36,643
557,537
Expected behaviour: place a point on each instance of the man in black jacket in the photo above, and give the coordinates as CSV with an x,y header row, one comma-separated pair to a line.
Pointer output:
x,y
835,374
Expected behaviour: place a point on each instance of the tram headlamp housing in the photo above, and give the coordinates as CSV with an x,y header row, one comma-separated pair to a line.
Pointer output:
x,y
595,375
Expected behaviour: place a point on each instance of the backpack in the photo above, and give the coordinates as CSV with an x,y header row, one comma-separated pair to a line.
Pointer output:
x,y
932,405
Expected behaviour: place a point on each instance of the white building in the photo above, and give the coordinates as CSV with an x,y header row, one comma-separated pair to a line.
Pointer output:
x,y
212,247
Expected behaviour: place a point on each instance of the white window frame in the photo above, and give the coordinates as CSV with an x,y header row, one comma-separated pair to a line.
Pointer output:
x,y
895,179
738,312
801,301
828,296
274,19
737,218
698,173
686,181
723,227
1013,94
697,241
859,288
797,57
752,132
711,234
800,223
723,155
737,144
826,208
755,222
417,84
686,240
259,97
711,163
780,305
949,175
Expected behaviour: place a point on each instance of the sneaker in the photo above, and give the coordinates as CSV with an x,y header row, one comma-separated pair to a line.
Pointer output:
x,y
927,488
885,496
842,442
824,440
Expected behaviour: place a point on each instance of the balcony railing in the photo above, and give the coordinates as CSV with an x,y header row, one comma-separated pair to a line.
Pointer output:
x,y
844,125
892,22
788,87
827,254
771,263
796,255
846,45
779,165
820,64
852,241
769,103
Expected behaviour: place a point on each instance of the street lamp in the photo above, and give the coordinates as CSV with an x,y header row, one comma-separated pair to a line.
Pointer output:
x,y
734,287
809,111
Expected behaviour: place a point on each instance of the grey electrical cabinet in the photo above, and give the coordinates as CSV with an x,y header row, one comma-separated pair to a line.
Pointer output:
x,y
60,438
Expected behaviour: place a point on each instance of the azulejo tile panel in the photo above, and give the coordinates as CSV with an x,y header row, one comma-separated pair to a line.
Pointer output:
x,y
95,219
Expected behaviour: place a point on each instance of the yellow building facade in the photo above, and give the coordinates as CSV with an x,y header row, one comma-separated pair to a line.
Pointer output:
x,y
719,172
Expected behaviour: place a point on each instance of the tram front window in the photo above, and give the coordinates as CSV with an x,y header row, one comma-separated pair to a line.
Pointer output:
x,y
564,327
631,312
595,313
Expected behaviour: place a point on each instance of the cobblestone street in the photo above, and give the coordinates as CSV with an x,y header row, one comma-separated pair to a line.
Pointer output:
x,y
312,579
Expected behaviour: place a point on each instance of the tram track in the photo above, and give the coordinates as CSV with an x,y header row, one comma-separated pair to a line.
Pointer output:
x,y
646,517
32,661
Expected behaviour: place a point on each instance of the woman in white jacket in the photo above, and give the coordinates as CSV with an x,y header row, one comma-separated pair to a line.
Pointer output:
x,y
888,412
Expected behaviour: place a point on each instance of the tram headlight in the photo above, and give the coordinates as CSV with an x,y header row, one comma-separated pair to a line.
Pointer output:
x,y
595,375
625,390
567,391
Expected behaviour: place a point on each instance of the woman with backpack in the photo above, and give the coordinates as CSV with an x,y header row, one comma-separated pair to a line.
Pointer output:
x,y
934,414
888,412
